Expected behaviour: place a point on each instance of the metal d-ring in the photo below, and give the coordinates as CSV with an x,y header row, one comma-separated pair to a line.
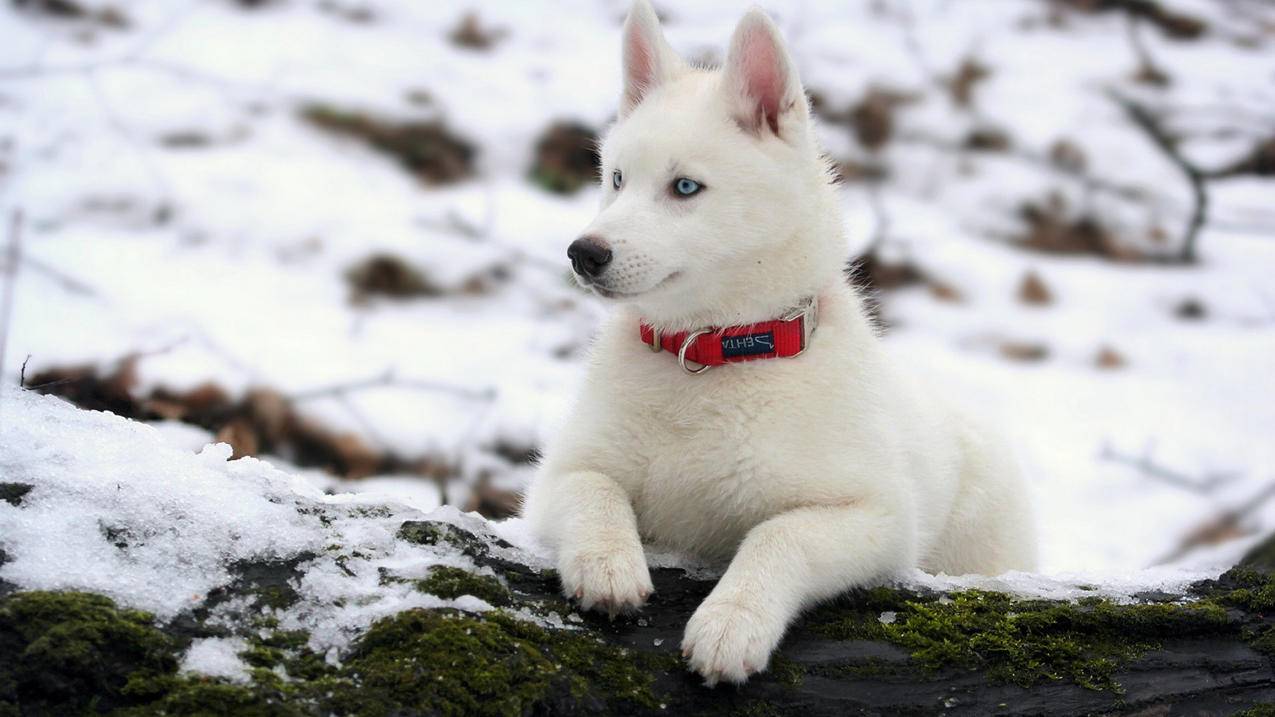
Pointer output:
x,y
681,353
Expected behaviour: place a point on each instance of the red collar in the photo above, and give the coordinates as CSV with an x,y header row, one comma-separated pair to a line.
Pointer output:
x,y
715,346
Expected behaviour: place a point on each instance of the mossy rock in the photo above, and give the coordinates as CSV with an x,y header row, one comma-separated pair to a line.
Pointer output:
x,y
429,662
879,651
451,583
438,533
13,493
1024,642
1261,557
65,653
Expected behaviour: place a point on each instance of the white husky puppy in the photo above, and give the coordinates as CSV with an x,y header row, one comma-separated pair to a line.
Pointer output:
x,y
811,473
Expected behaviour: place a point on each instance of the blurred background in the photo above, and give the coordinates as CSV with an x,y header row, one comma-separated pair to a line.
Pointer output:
x,y
332,232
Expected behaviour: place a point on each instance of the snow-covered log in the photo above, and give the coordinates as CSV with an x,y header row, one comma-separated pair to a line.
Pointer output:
x,y
139,578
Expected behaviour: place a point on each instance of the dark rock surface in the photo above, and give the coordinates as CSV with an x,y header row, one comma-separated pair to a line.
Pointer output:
x,y
883,651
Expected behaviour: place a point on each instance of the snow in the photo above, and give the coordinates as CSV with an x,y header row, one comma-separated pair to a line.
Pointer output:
x,y
217,657
117,510
224,263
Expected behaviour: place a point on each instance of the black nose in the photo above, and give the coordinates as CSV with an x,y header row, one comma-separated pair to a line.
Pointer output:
x,y
589,256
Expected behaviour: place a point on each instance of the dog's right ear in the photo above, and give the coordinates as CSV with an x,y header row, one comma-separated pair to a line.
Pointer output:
x,y
648,59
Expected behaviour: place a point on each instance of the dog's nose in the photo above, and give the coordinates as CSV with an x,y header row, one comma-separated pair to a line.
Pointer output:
x,y
589,256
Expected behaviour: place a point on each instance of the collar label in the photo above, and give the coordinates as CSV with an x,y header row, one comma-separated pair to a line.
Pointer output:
x,y
748,345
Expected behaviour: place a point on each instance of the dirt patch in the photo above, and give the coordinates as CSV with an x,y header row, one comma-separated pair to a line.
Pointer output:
x,y
1191,309
1109,359
1051,228
962,83
566,158
264,421
1174,25
945,292
872,274
108,16
1033,290
387,276
987,139
1068,156
1259,162
853,170
872,119
471,34
429,150
1024,351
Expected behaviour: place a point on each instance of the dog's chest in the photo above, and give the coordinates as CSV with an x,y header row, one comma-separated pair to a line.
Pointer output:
x,y
706,463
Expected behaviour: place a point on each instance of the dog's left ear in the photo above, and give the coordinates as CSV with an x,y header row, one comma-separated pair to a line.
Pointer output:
x,y
647,58
760,80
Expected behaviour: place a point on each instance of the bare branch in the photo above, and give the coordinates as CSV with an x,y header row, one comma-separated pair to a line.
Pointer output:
x,y
12,259
1196,177
1147,466
1148,71
1088,182
68,282
388,379
1227,525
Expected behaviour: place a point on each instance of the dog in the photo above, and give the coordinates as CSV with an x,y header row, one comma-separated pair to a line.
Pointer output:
x,y
739,405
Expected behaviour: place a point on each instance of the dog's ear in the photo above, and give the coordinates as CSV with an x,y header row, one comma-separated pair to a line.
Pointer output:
x,y
648,59
760,79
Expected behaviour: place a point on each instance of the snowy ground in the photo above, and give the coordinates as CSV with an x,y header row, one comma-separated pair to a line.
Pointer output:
x,y
223,259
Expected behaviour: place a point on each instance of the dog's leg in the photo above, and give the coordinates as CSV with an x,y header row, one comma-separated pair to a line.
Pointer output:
x,y
783,565
588,518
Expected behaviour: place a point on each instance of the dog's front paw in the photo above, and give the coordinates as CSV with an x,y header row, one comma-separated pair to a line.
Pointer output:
x,y
612,579
728,640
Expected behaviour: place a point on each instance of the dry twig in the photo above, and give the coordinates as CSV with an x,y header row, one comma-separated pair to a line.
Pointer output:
x,y
1225,526
389,379
1195,176
1147,466
12,258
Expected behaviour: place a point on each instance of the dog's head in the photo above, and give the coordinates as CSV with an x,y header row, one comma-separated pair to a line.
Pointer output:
x,y
711,182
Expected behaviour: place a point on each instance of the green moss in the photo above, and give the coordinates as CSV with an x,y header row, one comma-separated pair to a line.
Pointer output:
x,y
785,671
276,596
760,708
431,662
198,696
70,652
1246,589
434,532
286,649
434,662
450,583
1024,641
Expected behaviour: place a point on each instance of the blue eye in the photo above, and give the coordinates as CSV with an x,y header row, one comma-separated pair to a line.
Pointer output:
x,y
616,179
684,187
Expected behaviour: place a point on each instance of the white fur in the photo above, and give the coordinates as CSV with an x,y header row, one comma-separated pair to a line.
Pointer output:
x,y
811,475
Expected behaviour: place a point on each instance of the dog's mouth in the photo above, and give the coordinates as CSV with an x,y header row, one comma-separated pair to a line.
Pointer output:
x,y
608,293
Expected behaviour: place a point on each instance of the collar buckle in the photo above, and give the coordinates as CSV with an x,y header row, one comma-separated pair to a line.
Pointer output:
x,y
808,312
